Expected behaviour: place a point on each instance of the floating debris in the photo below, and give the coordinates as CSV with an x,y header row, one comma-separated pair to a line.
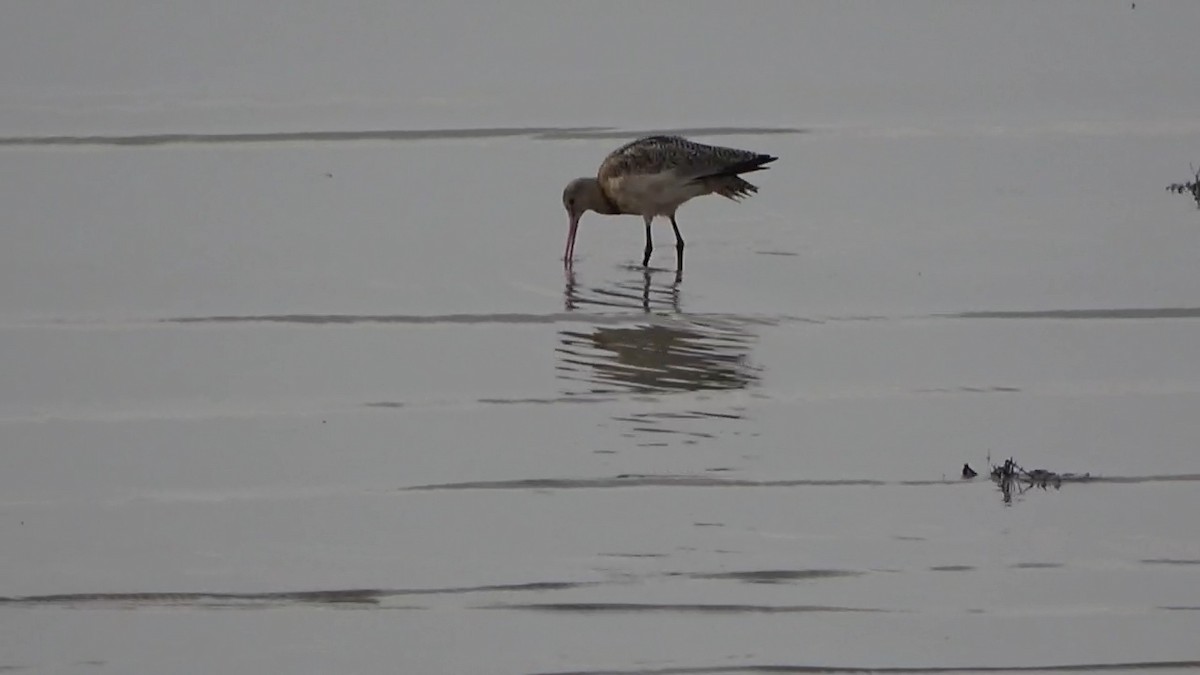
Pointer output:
x,y
1192,187
1012,478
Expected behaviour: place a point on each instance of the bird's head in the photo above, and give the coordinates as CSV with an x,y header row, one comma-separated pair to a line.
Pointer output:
x,y
580,196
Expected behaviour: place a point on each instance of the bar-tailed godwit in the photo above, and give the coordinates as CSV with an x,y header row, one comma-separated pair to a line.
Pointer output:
x,y
653,176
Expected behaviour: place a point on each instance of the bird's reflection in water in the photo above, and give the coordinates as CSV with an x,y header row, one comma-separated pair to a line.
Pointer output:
x,y
640,293
668,353
642,343
657,358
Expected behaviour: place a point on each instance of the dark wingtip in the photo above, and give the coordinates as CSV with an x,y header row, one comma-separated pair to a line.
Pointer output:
x,y
755,164
761,161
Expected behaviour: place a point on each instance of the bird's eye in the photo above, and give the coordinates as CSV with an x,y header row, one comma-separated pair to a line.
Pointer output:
x,y
570,202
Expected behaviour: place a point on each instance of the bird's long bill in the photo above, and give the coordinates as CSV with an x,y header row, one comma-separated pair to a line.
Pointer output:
x,y
569,254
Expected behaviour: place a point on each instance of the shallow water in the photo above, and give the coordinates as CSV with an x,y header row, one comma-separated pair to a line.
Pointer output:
x,y
317,357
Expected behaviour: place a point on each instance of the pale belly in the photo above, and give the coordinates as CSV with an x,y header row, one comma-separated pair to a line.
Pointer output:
x,y
651,194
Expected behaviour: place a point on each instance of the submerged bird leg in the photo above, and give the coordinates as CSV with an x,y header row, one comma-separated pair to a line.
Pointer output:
x,y
649,242
646,290
678,244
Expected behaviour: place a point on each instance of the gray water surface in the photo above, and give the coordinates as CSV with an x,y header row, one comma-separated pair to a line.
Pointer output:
x,y
284,328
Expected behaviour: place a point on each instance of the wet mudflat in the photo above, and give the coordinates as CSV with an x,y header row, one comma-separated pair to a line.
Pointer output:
x,y
324,401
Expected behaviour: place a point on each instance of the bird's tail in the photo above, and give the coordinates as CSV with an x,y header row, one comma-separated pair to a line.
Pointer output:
x,y
725,181
731,187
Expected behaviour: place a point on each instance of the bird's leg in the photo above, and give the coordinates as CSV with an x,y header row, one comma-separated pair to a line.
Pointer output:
x,y
646,290
649,242
678,245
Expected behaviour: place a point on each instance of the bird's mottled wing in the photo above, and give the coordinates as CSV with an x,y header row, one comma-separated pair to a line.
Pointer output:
x,y
662,154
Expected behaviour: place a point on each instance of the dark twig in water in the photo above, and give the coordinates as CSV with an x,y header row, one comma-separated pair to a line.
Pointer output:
x,y
1192,187
1012,478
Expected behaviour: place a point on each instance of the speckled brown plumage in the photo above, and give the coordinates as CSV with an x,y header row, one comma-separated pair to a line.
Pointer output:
x,y
654,176
695,168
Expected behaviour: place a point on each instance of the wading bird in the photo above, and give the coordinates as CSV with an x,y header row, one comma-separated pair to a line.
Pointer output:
x,y
653,176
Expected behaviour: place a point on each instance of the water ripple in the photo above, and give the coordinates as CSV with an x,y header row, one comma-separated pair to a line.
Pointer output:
x,y
705,608
785,668
1112,313
666,480
623,303
353,596
393,135
771,576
